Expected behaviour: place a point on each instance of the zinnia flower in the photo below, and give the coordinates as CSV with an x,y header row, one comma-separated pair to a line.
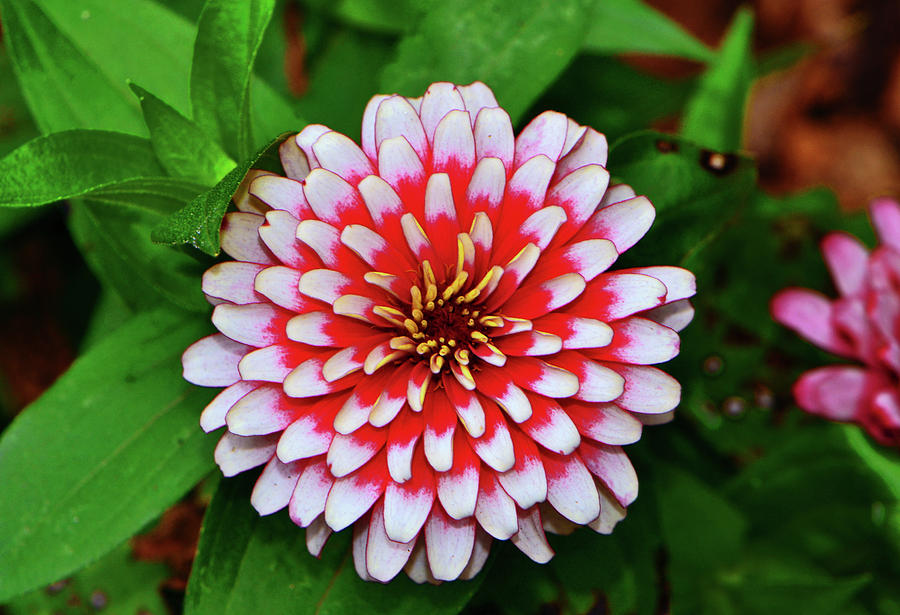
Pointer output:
x,y
419,338
860,325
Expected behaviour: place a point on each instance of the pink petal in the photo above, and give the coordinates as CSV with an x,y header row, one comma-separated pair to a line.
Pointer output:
x,y
885,215
605,423
531,301
384,557
333,199
308,499
526,482
591,148
239,237
494,136
256,324
477,96
495,447
836,392
274,487
232,281
263,411
407,505
350,452
311,434
495,510
596,382
235,454
396,117
639,341
550,426
294,161
458,487
449,544
570,488
575,331
530,539
847,260
810,314
213,361
623,223
403,434
273,363
282,194
611,465
647,390
544,135
368,126
339,154
352,496
213,415
578,193
616,295
281,286
440,423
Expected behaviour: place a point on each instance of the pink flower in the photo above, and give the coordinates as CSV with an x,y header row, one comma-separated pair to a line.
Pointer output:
x,y
861,324
420,339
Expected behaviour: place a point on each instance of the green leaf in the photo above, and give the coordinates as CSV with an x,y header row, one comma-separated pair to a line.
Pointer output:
x,y
228,37
63,87
516,47
105,450
885,465
116,582
245,560
696,194
626,26
115,242
16,125
198,222
182,147
387,16
345,52
714,117
72,163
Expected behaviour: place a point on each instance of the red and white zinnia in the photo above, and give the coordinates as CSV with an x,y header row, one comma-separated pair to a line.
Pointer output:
x,y
420,338
861,325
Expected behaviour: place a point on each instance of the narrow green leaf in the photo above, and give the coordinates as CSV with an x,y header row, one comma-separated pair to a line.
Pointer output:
x,y
714,117
198,222
117,442
626,26
182,147
228,37
245,560
116,583
72,163
16,125
885,465
517,47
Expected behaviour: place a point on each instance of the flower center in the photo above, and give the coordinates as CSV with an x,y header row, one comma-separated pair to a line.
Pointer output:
x,y
442,325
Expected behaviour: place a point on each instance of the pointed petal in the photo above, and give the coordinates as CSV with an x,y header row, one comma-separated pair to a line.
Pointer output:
x,y
350,452
293,160
616,295
256,324
396,117
550,426
339,154
407,505
273,363
213,415
384,557
281,193
281,286
578,193
885,215
544,135
532,301
239,238
639,341
847,260
836,392
263,411
591,148
333,200
811,315
440,423
495,510
575,331
622,223
495,447
458,487
605,423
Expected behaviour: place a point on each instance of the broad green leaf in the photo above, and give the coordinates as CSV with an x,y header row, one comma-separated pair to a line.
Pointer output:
x,y
116,583
105,450
614,98
696,194
389,16
516,47
625,26
345,52
245,560
714,116
115,242
63,87
182,147
228,37
72,163
130,40
198,222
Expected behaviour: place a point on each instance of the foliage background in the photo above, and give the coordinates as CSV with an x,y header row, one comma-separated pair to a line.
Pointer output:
x,y
746,505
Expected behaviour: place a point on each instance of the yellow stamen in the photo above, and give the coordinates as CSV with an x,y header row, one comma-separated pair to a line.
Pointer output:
x,y
473,294
478,336
391,315
444,351
436,363
423,348
491,321
416,295
411,326
402,343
